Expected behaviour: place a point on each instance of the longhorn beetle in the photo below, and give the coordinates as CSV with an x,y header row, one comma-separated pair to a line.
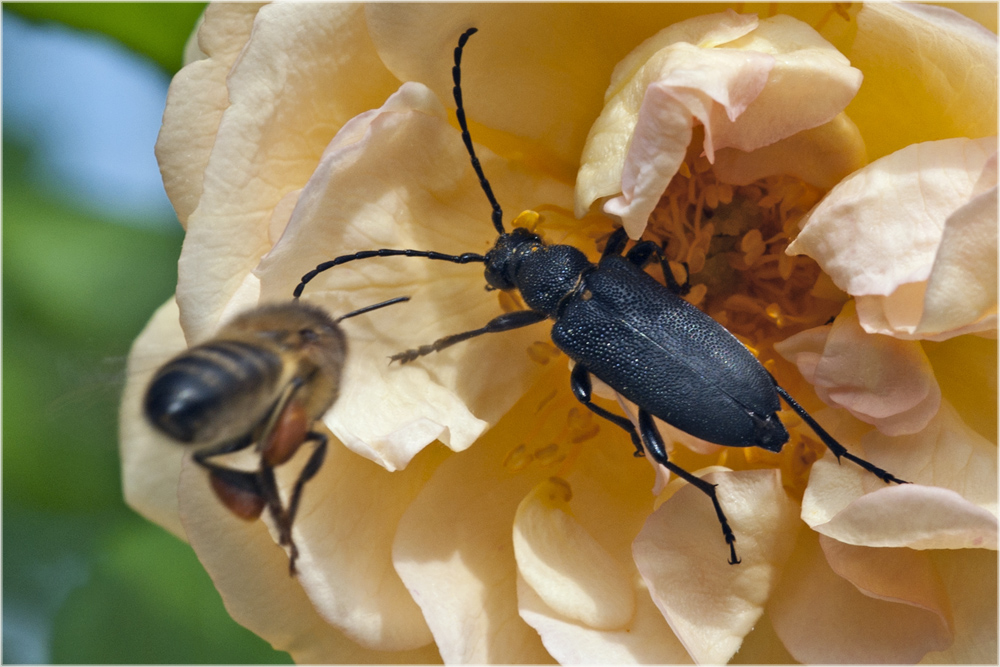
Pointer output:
x,y
620,325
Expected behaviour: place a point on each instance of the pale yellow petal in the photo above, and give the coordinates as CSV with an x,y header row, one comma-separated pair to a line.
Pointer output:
x,y
196,101
821,156
151,462
344,530
898,203
970,579
454,551
559,560
710,604
929,74
823,618
374,190
306,69
646,640
250,571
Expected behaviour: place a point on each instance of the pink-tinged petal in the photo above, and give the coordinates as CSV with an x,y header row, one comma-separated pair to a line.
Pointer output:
x,y
930,74
454,553
822,156
957,509
970,579
898,203
346,524
399,177
895,575
880,380
769,81
710,604
823,618
281,113
197,100
961,294
151,462
565,566
250,571
647,639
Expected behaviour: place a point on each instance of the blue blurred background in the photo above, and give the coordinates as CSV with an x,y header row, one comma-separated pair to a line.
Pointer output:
x,y
90,246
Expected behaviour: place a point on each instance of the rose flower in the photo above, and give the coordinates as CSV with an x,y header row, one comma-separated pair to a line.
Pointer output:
x,y
823,176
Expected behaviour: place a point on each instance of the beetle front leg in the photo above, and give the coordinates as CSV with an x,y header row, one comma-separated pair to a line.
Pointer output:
x,y
505,322
654,444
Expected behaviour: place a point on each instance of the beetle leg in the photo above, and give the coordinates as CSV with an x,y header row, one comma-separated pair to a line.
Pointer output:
x,y
654,444
642,252
616,243
838,449
579,381
505,322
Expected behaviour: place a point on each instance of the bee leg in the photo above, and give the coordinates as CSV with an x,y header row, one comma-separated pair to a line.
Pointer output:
x,y
238,490
308,472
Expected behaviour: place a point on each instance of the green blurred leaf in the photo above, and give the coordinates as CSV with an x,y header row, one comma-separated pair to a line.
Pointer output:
x,y
158,30
149,600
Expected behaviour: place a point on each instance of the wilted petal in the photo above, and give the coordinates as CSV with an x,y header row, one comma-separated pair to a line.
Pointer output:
x,y
251,573
758,85
327,73
710,604
930,73
878,379
824,618
901,202
432,201
151,462
956,510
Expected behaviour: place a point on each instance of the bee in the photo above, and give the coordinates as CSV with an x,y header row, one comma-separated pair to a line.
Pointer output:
x,y
265,378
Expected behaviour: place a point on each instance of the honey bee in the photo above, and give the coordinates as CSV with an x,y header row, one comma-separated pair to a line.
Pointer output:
x,y
262,381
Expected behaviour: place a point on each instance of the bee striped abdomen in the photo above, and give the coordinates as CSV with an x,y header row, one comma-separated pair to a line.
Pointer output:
x,y
194,397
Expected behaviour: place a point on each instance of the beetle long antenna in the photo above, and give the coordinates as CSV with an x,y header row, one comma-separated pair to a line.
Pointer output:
x,y
374,306
456,74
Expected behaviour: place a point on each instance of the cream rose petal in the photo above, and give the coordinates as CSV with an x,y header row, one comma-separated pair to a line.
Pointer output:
x,y
453,549
646,640
197,100
878,379
306,66
151,462
400,178
956,510
710,604
970,580
344,530
750,91
901,202
824,618
930,74
251,573
589,604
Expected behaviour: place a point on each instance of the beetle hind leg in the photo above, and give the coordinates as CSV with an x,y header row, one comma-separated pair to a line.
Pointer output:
x,y
838,449
650,441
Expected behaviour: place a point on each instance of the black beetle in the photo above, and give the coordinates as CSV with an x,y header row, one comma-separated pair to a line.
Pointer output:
x,y
640,338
